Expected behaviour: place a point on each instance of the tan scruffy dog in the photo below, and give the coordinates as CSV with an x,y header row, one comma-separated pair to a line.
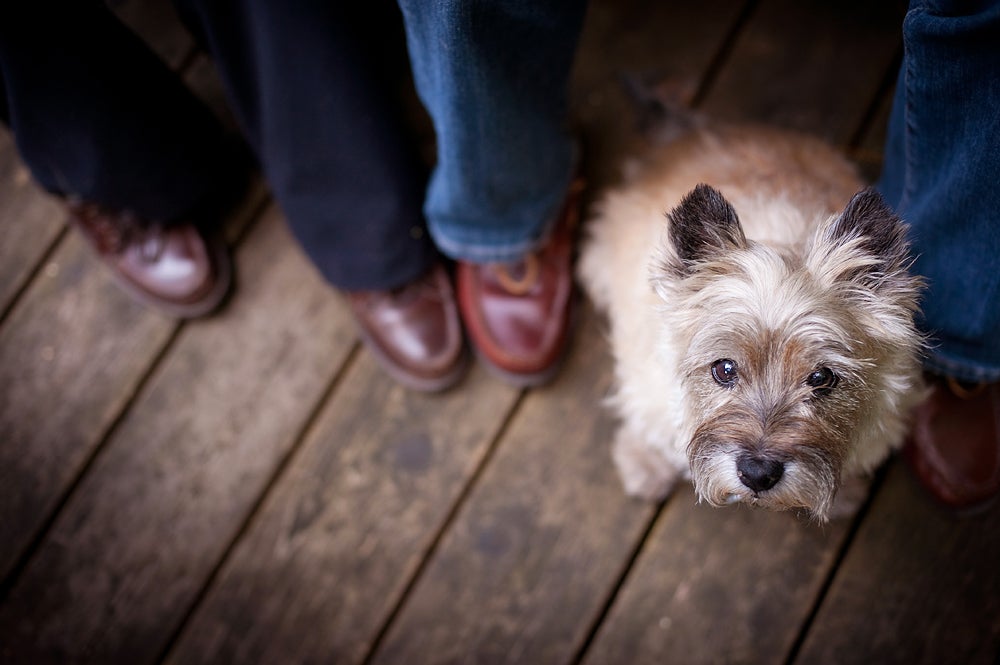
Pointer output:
x,y
762,329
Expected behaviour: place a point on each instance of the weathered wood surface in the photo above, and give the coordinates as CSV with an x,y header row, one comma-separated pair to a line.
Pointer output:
x,y
76,335
30,222
621,57
251,488
918,585
74,332
182,471
805,62
527,565
717,586
349,523
157,24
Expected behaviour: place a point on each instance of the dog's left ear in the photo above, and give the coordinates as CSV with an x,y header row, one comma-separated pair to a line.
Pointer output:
x,y
865,243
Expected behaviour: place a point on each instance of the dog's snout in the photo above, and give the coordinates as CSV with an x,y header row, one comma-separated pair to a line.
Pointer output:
x,y
759,473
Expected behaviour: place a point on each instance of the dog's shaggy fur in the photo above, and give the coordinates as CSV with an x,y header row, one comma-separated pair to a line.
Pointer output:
x,y
763,328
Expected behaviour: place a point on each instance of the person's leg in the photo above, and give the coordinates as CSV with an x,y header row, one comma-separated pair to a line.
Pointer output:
x,y
307,84
96,115
941,164
313,85
100,120
494,78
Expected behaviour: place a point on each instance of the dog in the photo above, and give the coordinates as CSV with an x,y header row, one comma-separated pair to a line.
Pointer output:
x,y
761,315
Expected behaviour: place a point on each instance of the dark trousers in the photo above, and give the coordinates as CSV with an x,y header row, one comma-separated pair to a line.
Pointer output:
x,y
96,115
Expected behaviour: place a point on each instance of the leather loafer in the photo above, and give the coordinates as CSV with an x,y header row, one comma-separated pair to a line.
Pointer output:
x,y
517,315
177,269
414,331
954,449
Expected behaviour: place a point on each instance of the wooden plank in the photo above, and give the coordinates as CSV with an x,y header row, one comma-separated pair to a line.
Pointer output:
x,y
30,221
727,585
71,356
203,79
344,531
662,46
919,585
527,564
717,586
163,501
156,23
802,64
869,152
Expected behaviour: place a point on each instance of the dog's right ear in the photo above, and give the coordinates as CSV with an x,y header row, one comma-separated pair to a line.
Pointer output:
x,y
702,225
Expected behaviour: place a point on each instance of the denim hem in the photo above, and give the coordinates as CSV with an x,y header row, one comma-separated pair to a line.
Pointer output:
x,y
457,242
960,369
482,251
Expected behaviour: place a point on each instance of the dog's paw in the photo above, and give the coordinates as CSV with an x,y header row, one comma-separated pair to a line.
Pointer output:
x,y
644,471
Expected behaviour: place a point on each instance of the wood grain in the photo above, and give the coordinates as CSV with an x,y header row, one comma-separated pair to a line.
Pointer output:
x,y
72,354
808,66
526,566
717,586
157,24
663,48
347,526
30,221
919,585
181,472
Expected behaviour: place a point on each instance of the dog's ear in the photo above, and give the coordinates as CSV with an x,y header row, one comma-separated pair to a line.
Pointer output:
x,y
702,225
866,243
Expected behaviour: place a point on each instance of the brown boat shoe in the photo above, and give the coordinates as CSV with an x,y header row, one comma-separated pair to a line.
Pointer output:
x,y
517,315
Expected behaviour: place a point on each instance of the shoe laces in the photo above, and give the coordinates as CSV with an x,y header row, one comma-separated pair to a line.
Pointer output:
x,y
520,277
113,233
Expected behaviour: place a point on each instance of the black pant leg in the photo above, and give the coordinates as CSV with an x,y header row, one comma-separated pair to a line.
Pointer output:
x,y
309,84
97,115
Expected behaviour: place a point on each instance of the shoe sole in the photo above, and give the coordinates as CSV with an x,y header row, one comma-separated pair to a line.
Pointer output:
x,y
420,384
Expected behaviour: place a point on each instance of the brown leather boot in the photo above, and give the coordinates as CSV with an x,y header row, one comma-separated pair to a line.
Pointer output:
x,y
176,269
518,315
955,447
414,331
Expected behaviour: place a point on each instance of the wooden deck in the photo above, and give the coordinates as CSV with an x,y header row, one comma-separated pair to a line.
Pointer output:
x,y
251,488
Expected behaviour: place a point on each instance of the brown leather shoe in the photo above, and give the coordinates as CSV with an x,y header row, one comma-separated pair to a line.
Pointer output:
x,y
955,449
414,331
176,269
518,315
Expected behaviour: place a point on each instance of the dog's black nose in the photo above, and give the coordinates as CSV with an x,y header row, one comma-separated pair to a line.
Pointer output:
x,y
759,473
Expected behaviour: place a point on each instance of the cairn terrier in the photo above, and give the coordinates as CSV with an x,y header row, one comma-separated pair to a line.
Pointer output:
x,y
761,320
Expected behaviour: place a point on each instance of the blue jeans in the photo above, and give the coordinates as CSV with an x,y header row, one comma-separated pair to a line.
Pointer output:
x,y
942,174
494,77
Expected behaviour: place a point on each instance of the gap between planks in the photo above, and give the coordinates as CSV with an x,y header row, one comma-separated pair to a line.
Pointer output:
x,y
444,527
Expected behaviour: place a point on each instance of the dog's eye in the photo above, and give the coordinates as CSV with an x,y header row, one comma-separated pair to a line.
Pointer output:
x,y
822,380
724,372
